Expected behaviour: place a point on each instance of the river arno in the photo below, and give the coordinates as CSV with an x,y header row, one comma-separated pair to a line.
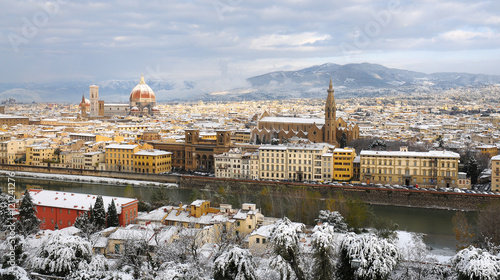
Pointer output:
x,y
436,224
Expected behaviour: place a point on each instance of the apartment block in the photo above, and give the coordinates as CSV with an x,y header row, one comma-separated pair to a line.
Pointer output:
x,y
152,161
426,169
120,157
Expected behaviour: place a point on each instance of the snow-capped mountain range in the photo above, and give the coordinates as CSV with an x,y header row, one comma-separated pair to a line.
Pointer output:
x,y
363,79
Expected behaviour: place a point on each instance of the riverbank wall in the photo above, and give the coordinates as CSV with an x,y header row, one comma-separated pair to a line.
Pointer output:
x,y
97,173
396,197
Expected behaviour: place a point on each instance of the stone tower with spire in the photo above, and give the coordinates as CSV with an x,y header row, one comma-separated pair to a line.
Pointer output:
x,y
330,132
83,107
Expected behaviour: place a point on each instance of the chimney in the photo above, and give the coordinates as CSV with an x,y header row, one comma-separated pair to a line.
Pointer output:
x,y
403,149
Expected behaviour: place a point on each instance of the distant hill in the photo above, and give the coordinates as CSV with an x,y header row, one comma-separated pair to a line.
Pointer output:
x,y
368,75
350,80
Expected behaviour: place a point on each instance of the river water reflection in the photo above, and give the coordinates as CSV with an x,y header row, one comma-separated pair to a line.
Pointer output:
x,y
436,224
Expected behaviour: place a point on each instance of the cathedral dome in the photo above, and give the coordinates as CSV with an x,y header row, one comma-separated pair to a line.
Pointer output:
x,y
142,93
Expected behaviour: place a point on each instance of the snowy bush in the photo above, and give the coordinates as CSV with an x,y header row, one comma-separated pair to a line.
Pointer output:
x,y
285,242
14,273
476,264
376,258
235,264
334,219
175,270
61,255
324,255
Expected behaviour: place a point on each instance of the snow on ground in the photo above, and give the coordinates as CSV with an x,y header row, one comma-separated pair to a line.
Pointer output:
x,y
89,179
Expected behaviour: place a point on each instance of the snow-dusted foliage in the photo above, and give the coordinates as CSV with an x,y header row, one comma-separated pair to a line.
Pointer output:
x,y
14,273
282,267
60,255
27,223
5,214
376,257
174,271
324,253
415,260
236,264
285,242
476,264
333,218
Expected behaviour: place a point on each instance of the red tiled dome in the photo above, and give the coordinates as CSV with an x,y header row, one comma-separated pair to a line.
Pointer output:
x,y
142,93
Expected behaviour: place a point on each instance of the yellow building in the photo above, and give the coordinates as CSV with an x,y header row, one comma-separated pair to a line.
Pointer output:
x,y
120,157
338,165
495,173
242,136
488,150
11,150
247,219
38,155
426,169
152,161
298,162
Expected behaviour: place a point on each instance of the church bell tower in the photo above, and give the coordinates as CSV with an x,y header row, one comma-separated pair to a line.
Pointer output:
x,y
330,135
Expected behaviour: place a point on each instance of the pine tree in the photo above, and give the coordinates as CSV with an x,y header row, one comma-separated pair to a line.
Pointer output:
x,y
99,213
91,214
112,218
84,224
28,223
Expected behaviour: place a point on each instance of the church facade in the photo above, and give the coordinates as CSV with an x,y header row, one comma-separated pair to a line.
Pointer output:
x,y
328,130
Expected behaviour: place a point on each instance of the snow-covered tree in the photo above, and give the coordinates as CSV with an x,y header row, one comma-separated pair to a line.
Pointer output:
x,y
416,262
333,218
235,264
476,264
61,255
174,271
324,254
285,242
99,214
5,214
84,224
17,243
14,273
366,257
112,218
27,223
98,268
135,256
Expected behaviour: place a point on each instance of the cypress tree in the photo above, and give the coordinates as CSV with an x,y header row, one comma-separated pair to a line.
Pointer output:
x,y
99,213
112,218
28,223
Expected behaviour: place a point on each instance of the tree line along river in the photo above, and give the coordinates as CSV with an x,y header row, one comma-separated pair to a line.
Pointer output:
x,y
436,224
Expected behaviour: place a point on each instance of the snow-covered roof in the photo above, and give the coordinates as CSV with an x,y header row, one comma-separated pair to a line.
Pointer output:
x,y
264,231
198,202
152,153
435,154
155,215
77,201
118,146
293,120
496,157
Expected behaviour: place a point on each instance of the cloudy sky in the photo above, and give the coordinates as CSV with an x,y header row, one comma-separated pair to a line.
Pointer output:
x,y
222,42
